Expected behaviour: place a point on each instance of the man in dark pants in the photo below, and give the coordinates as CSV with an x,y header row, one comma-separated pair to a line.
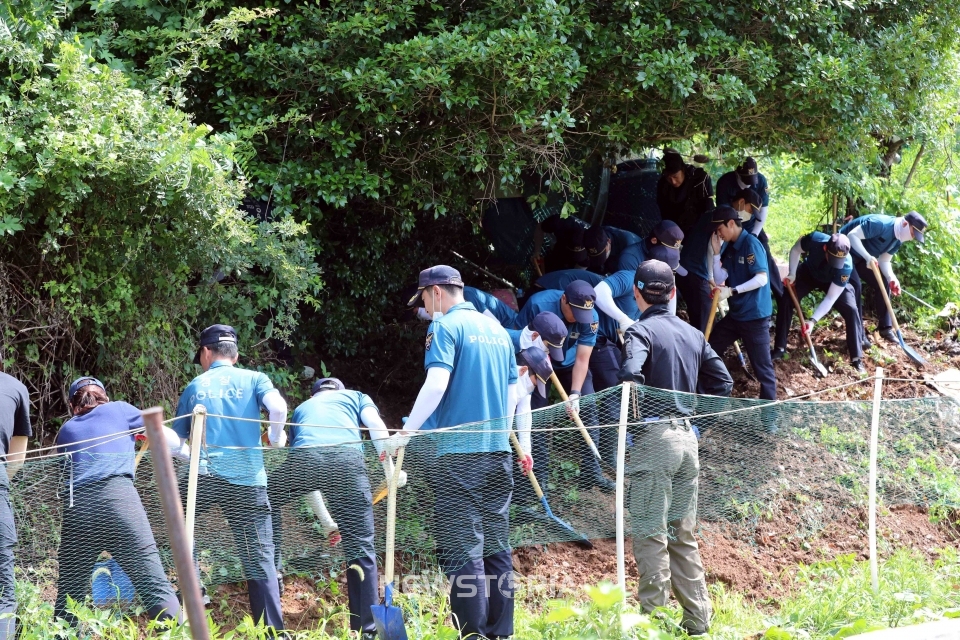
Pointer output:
x,y
471,380
876,238
663,352
15,429
740,270
826,268
694,276
327,456
684,192
232,475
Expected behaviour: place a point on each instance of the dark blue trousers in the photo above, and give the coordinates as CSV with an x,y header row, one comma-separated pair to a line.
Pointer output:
x,y
604,367
846,306
341,475
695,292
472,513
8,543
755,337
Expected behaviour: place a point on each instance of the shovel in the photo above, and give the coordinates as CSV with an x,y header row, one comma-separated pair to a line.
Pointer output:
x,y
742,358
911,353
576,416
388,618
565,527
713,315
822,370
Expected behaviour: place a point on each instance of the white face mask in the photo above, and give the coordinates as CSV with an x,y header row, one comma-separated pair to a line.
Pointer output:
x,y
902,231
423,315
436,305
527,340
528,385
744,215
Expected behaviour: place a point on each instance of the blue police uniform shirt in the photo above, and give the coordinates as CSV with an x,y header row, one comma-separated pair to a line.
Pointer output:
x,y
111,454
330,418
578,334
483,301
742,260
626,250
693,254
228,391
560,279
728,188
479,356
813,245
621,286
878,233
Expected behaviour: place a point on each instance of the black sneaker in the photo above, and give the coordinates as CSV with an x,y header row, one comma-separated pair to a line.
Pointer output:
x,y
888,335
778,354
605,486
858,366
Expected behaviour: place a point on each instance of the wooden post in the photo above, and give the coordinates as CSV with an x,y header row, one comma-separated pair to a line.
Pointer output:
x,y
872,489
198,425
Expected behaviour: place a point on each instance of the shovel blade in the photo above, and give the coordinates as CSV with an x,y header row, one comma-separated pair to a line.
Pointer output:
x,y
910,351
388,619
567,529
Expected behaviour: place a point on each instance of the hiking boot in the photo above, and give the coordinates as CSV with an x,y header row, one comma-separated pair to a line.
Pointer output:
x,y
778,354
866,342
605,486
858,366
888,335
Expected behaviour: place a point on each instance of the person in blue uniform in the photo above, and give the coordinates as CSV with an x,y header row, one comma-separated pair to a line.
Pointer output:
x,y
568,251
546,331
612,249
575,306
740,271
876,238
471,380
326,435
232,474
694,278
102,510
684,192
484,302
558,280
746,176
827,267
15,430
748,203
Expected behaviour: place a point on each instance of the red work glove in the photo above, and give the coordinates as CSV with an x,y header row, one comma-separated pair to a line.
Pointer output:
x,y
140,437
807,328
895,287
526,463
335,538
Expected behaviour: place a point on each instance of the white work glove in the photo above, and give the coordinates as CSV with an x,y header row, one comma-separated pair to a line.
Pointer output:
x,y
393,443
871,262
388,470
723,292
179,449
573,404
280,442
806,328
625,324
791,278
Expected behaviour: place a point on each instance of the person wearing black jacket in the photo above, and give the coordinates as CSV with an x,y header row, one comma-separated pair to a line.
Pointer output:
x,y
664,352
684,192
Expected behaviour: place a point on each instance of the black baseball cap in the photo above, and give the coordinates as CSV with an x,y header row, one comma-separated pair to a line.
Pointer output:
x,y
581,297
723,214
85,381
672,162
751,197
664,253
668,233
327,384
215,334
579,255
838,248
440,274
552,330
539,363
595,240
654,277
748,171
918,224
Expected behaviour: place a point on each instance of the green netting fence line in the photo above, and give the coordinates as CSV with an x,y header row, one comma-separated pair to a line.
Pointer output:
x,y
755,458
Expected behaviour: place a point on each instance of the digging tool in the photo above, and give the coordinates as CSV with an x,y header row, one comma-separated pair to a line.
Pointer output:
x,y
482,270
740,356
575,415
565,527
143,451
923,302
382,490
388,618
822,370
910,351
713,314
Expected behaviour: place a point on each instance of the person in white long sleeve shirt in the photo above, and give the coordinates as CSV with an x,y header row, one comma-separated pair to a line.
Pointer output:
x,y
875,239
827,267
471,381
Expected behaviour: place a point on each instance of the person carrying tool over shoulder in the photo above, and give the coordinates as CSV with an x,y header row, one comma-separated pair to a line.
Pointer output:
x,y
876,238
327,455
232,474
575,306
740,271
827,267
664,352
471,380
101,508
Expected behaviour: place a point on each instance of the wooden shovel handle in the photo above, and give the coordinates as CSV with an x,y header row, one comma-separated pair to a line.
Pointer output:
x,y
875,267
796,305
520,454
713,313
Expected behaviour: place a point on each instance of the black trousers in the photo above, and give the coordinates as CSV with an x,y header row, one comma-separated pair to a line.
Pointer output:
x,y
846,306
604,367
341,475
247,510
696,294
108,515
755,336
8,543
472,512
861,273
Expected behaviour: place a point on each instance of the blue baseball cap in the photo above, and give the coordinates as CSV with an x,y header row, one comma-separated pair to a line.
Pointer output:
x,y
552,330
918,224
539,363
327,384
581,297
838,248
440,274
85,381
668,234
215,334
751,197
723,214
663,253
748,171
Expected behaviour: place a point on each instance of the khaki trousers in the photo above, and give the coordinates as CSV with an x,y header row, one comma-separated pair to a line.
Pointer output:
x,y
663,470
